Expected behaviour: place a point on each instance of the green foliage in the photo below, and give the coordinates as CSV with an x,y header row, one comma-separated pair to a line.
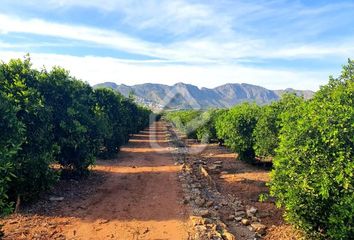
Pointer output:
x,y
118,117
74,121
186,121
11,132
313,168
30,163
266,132
50,117
236,126
207,132
195,124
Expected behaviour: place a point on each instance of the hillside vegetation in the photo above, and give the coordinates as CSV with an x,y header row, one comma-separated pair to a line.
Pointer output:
x,y
311,145
49,117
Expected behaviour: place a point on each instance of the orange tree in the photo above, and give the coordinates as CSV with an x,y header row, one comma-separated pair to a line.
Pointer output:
x,y
314,167
32,152
236,126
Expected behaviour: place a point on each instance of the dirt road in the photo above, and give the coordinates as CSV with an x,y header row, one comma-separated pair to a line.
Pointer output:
x,y
140,197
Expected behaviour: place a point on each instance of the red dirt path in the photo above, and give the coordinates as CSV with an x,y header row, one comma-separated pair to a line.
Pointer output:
x,y
140,198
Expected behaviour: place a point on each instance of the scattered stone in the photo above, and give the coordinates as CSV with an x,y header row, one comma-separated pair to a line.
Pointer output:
x,y
230,217
204,213
197,220
238,219
227,235
245,221
259,228
199,201
218,162
209,203
251,211
239,213
56,198
104,221
214,167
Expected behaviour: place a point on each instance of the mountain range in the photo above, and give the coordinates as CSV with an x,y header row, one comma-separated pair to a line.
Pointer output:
x,y
187,96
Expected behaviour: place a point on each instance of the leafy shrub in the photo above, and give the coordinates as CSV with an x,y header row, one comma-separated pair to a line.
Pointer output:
x,y
313,168
266,132
74,121
186,121
49,117
236,126
207,132
11,132
117,117
30,164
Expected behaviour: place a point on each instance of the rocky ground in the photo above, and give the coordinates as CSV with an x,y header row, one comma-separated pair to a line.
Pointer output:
x,y
201,192
229,189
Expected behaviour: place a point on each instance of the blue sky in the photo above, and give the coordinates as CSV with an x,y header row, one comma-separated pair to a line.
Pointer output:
x,y
275,44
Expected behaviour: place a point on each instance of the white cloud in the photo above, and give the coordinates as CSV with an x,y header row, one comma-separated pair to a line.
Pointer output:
x,y
193,50
102,69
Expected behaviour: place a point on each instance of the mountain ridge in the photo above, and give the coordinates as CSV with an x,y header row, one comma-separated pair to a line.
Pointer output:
x,y
186,96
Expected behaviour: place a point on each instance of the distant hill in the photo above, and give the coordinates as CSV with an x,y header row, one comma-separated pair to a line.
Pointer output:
x,y
186,96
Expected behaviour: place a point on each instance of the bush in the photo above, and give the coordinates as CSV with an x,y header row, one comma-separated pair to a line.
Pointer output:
x,y
266,132
30,164
117,118
187,121
236,126
207,132
51,117
313,168
75,127
12,136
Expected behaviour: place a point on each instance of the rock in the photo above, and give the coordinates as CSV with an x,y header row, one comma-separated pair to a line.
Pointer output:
x,y
199,201
197,220
218,162
251,211
238,219
209,203
215,167
230,217
56,198
104,221
259,228
204,213
227,235
185,201
245,221
239,213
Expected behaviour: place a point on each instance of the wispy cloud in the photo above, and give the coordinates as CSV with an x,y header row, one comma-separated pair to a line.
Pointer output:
x,y
193,50
184,40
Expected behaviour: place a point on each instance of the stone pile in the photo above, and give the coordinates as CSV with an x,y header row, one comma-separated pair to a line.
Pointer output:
x,y
207,203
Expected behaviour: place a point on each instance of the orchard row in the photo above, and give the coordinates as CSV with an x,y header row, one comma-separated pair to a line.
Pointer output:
x,y
311,145
49,118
